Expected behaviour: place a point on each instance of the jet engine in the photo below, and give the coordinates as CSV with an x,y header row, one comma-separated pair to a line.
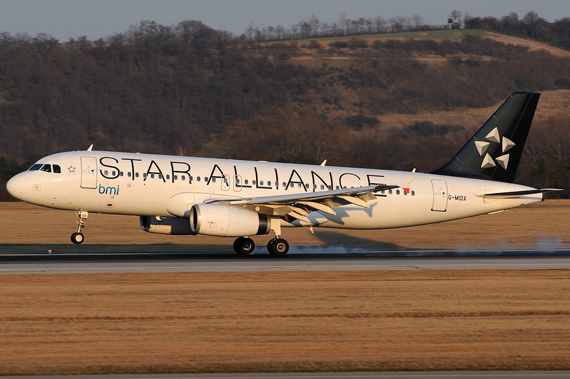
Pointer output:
x,y
166,225
225,221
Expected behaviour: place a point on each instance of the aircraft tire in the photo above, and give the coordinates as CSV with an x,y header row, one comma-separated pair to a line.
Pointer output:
x,y
244,246
77,238
278,247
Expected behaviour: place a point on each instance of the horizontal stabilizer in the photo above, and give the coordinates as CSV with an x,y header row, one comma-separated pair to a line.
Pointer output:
x,y
506,195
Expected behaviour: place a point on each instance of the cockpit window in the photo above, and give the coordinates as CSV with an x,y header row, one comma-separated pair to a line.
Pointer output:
x,y
46,168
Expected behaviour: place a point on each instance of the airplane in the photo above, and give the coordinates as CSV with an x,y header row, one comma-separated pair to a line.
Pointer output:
x,y
231,198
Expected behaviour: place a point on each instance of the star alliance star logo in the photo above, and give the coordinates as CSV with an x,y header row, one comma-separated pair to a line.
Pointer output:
x,y
71,169
494,137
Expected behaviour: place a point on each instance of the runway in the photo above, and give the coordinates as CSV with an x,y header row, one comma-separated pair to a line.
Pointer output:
x,y
322,261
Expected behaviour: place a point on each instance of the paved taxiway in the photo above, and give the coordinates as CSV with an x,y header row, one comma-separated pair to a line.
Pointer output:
x,y
216,262
333,375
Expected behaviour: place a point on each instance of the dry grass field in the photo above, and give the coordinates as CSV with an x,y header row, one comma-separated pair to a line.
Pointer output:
x,y
287,321
284,321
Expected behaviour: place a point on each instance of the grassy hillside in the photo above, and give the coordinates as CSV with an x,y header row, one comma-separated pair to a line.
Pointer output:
x,y
455,34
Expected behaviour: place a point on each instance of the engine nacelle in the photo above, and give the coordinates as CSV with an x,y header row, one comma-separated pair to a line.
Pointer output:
x,y
225,221
166,225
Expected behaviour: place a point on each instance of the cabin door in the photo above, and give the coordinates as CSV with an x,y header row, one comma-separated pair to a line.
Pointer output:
x,y
439,195
88,172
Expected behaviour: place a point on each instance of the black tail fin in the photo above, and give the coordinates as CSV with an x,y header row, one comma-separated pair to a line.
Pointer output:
x,y
494,152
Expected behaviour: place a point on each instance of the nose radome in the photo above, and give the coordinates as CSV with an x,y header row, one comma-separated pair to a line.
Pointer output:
x,y
15,187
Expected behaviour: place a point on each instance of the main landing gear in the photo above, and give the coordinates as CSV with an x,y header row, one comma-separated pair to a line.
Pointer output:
x,y
277,246
246,246
78,236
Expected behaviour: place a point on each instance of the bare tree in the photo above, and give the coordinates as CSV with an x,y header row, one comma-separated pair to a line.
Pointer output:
x,y
315,25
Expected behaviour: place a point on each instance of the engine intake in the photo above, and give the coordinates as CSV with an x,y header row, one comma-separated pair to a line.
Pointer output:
x,y
166,225
225,221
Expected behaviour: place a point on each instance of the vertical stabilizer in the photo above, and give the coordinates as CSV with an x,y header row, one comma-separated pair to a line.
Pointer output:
x,y
494,152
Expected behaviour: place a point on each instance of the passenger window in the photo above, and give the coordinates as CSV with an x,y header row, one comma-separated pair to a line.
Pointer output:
x,y
246,181
167,177
268,184
213,180
137,175
106,172
184,177
189,178
198,178
159,176
397,192
253,182
152,176
56,169
121,173
306,186
390,192
144,175
129,174
261,182
176,177
336,187
322,187
284,184
413,193
113,173
46,168
205,178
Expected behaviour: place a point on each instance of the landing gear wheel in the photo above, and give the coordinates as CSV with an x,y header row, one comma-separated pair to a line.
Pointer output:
x,y
278,246
77,238
270,246
244,246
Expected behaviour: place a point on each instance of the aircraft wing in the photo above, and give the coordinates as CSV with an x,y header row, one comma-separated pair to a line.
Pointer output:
x,y
301,204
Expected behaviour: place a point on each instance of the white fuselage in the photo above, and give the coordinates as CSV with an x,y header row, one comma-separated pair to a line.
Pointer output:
x,y
168,186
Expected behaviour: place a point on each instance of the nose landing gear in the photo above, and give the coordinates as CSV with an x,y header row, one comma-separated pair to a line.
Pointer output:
x,y
78,236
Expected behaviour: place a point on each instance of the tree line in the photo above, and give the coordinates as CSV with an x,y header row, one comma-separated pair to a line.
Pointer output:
x,y
531,25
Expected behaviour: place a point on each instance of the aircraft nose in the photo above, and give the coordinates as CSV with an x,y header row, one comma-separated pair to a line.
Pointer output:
x,y
15,187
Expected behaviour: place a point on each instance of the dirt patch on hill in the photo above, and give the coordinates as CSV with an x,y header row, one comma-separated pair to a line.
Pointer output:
x,y
551,104
532,45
